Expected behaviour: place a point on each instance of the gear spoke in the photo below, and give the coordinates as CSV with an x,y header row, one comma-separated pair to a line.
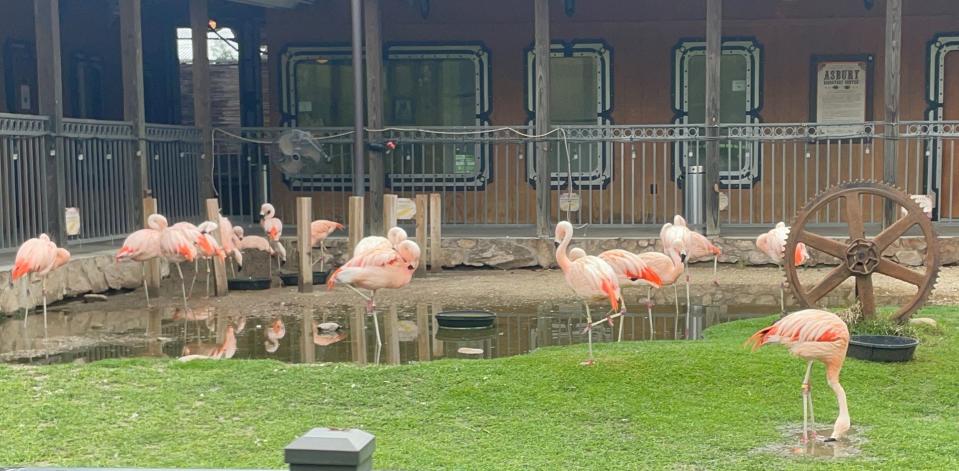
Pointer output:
x,y
895,231
823,244
899,272
854,216
832,280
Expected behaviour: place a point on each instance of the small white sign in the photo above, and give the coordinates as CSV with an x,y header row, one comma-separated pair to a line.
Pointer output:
x,y
72,217
739,85
723,201
405,208
569,202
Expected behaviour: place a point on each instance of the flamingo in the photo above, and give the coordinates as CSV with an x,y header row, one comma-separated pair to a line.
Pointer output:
x,y
631,270
206,246
590,278
669,266
273,227
39,256
377,269
176,248
813,335
245,242
276,332
229,240
142,246
697,245
773,244
392,239
319,231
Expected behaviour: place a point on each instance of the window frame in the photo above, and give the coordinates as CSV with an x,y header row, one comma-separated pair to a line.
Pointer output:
x,y
602,175
940,46
752,51
476,51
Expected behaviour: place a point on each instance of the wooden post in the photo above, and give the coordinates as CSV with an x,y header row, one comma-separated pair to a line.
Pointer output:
x,y
391,336
355,221
219,266
374,111
304,216
714,44
46,15
437,343
542,118
389,212
436,236
356,43
893,49
152,267
422,206
424,334
358,335
307,347
200,24
131,52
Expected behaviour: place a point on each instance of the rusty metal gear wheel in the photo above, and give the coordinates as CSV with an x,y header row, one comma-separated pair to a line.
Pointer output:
x,y
860,256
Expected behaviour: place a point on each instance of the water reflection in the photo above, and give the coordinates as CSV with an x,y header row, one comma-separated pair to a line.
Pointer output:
x,y
338,333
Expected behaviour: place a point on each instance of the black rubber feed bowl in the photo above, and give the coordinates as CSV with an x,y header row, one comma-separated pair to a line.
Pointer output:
x,y
293,279
461,335
884,348
248,284
466,319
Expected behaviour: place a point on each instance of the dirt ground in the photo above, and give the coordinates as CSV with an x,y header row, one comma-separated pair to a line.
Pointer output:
x,y
504,288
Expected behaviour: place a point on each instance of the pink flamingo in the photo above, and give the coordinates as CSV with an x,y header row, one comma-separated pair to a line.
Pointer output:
x,y
176,247
590,278
697,245
378,269
274,230
228,240
813,335
669,267
319,231
206,248
39,256
773,244
142,246
631,270
274,333
245,242
392,239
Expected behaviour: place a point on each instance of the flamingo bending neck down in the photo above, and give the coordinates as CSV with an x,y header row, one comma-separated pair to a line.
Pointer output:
x,y
773,244
813,335
39,256
319,231
378,269
590,278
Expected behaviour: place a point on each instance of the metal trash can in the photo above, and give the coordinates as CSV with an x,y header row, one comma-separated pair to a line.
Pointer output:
x,y
695,194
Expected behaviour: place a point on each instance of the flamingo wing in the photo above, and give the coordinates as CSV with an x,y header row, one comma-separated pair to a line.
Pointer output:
x,y
35,255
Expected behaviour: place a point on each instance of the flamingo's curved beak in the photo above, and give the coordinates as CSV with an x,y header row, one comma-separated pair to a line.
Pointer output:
x,y
556,243
682,257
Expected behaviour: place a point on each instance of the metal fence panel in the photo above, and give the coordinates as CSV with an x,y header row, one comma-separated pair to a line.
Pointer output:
x,y
174,154
22,178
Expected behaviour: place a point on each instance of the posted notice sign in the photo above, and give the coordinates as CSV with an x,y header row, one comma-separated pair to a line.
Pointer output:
x,y
841,95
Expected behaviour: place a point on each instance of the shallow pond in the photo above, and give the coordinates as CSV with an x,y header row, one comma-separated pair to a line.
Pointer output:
x,y
79,332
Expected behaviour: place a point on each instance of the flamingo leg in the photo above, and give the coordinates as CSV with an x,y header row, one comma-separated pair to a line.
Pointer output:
x,y
676,319
589,331
182,287
371,310
716,270
196,270
806,402
782,293
43,290
621,320
146,290
688,304
208,269
649,311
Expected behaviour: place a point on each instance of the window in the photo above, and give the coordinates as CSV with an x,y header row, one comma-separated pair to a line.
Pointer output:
x,y
579,96
740,95
425,86
221,45
942,84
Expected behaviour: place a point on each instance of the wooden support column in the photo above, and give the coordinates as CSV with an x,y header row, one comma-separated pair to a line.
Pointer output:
x,y
219,266
389,213
304,216
307,347
355,222
542,123
422,207
374,110
46,15
131,54
436,234
152,267
892,66
714,44
202,118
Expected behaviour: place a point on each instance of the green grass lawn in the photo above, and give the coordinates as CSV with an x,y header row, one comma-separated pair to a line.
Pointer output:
x,y
668,404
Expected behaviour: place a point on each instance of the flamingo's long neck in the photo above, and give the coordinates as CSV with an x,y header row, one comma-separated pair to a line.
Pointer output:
x,y
677,264
562,259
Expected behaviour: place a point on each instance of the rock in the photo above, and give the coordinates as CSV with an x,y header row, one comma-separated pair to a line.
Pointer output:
x,y
327,327
910,258
924,321
94,298
470,351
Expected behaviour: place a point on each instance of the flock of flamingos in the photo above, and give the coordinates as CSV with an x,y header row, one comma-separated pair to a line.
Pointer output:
x,y
389,262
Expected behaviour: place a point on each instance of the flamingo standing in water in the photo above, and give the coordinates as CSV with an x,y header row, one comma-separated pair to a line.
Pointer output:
x,y
273,227
176,248
319,231
228,240
694,245
813,335
669,266
206,246
39,256
773,244
590,278
393,238
142,246
631,270
377,269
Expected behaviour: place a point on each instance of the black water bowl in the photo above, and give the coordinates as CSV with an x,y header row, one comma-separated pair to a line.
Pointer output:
x,y
881,347
293,279
248,284
454,335
466,319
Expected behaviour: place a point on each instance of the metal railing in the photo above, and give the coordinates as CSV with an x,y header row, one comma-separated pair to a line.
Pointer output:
x,y
23,147
174,155
98,176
